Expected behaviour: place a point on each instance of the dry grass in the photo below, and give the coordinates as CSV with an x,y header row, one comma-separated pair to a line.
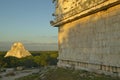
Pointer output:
x,y
10,74
67,74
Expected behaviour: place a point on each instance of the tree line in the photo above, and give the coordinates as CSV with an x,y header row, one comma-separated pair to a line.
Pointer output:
x,y
38,59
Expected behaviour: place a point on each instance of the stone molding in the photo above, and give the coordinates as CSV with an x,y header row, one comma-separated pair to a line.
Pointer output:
x,y
77,14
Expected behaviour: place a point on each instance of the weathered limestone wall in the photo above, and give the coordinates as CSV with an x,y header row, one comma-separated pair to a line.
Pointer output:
x,y
92,42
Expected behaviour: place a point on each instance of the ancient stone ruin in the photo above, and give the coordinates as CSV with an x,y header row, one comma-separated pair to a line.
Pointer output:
x,y
89,34
18,50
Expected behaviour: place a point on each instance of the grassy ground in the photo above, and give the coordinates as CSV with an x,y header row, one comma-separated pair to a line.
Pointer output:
x,y
66,74
29,77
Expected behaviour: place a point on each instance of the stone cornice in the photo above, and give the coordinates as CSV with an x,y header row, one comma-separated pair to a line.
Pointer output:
x,y
77,15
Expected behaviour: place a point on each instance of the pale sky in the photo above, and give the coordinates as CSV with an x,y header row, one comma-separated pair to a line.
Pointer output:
x,y
27,21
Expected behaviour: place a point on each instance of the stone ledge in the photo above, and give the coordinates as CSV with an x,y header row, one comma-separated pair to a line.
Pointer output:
x,y
97,68
101,7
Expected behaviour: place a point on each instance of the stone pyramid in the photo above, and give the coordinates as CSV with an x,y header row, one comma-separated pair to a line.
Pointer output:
x,y
18,50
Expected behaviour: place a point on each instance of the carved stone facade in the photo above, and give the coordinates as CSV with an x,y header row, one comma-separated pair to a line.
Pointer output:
x,y
89,35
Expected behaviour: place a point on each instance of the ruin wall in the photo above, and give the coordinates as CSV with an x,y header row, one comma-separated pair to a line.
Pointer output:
x,y
91,41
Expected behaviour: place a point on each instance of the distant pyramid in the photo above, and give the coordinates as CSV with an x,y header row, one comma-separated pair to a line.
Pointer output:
x,y
18,50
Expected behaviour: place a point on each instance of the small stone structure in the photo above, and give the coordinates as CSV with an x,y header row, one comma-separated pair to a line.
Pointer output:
x,y
89,34
18,50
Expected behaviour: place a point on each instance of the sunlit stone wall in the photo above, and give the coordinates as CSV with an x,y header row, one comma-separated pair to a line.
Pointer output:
x,y
67,8
91,42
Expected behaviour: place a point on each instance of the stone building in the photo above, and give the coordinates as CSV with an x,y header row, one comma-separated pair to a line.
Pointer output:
x,y
88,34
18,50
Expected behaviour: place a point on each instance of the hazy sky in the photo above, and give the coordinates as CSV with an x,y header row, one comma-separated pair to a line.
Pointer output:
x,y
26,21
